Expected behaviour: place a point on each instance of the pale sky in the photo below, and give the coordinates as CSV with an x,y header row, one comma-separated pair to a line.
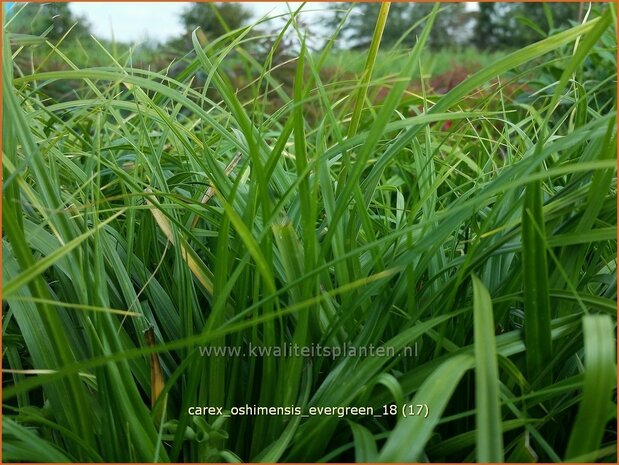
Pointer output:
x,y
133,21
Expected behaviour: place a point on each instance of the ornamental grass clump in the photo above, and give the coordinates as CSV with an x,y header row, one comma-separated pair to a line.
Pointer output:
x,y
147,219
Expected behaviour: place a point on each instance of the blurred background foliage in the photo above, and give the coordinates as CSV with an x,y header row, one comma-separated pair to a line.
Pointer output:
x,y
462,41
494,25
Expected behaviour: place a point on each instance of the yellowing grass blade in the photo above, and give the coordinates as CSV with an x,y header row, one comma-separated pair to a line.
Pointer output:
x,y
156,376
187,253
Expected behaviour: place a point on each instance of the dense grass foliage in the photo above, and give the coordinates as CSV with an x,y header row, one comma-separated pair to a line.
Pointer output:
x,y
476,223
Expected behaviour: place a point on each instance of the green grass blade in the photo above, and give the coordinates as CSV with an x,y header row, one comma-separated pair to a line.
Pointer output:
x,y
536,294
22,444
37,268
364,82
595,409
416,430
489,428
365,444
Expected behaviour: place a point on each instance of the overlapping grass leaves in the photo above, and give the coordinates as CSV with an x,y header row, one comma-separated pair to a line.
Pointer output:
x,y
340,222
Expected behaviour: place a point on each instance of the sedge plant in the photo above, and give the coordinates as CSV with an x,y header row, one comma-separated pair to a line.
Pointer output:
x,y
149,215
